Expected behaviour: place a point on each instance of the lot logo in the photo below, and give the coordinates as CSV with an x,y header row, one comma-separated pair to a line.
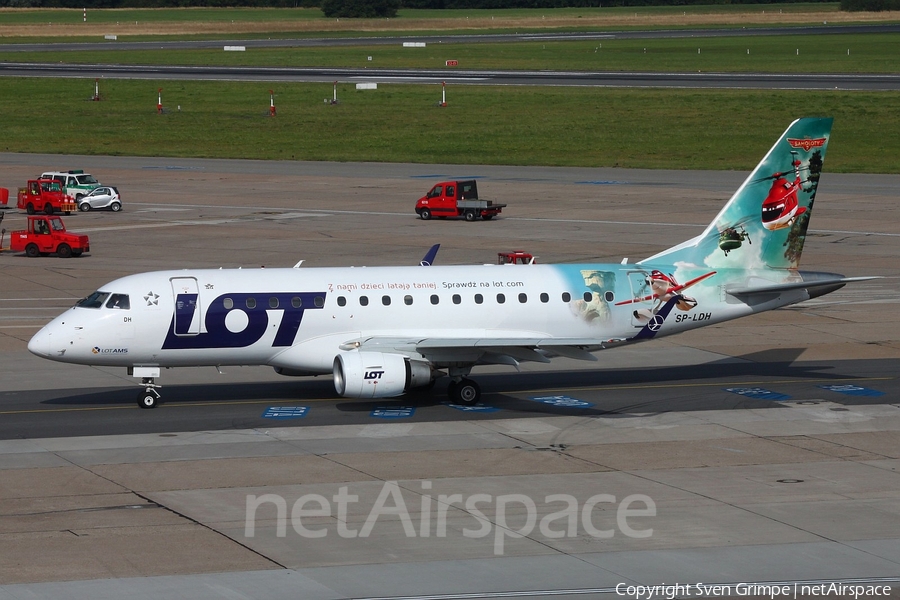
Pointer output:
x,y
238,320
373,375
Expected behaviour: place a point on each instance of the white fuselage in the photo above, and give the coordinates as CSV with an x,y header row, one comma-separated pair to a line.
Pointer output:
x,y
301,318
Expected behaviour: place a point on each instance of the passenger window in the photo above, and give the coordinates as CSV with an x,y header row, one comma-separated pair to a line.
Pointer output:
x,y
588,296
609,296
523,298
407,300
435,299
228,303
251,302
342,301
386,300
119,301
501,298
479,298
273,302
451,191
545,297
363,300
296,302
319,302
456,299
566,297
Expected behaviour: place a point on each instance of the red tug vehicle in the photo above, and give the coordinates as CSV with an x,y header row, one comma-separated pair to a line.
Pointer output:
x,y
44,195
45,235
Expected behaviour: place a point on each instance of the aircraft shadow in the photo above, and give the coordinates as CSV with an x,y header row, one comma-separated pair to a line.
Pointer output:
x,y
610,392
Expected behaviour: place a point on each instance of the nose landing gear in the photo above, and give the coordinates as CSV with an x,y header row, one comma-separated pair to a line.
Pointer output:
x,y
148,398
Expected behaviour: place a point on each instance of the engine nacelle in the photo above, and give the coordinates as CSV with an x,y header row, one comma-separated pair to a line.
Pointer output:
x,y
377,374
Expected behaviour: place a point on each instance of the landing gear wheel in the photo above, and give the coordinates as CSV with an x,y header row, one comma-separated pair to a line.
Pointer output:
x,y
149,398
425,214
467,392
470,215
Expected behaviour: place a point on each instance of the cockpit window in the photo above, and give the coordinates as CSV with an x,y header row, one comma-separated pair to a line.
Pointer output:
x,y
119,301
95,300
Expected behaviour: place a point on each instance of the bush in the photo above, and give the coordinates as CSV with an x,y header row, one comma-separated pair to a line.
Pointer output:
x,y
366,9
870,5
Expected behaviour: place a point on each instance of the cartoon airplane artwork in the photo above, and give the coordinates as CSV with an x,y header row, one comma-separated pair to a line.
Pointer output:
x,y
780,209
732,238
664,288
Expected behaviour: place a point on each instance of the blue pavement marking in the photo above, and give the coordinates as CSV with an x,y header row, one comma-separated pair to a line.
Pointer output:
x,y
476,408
562,401
851,390
600,182
285,412
387,412
758,393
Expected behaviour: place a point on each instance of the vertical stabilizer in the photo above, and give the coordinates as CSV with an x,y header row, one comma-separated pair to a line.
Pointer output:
x,y
764,223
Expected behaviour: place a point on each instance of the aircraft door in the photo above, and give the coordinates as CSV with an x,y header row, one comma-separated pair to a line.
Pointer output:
x,y
187,305
642,297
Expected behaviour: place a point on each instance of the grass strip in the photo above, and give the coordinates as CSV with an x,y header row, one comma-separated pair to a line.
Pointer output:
x,y
586,127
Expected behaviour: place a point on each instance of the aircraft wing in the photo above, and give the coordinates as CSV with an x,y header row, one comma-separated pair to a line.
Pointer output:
x,y
484,350
815,287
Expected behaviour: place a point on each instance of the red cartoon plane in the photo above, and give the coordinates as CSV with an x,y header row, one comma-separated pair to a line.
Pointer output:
x,y
664,288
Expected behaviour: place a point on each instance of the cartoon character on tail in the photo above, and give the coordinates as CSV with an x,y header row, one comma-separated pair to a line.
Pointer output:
x,y
664,288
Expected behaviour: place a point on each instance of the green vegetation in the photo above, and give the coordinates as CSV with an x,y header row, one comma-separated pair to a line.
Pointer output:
x,y
650,128
276,15
683,129
874,53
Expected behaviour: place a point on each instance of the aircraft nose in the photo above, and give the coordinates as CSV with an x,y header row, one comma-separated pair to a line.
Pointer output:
x,y
39,344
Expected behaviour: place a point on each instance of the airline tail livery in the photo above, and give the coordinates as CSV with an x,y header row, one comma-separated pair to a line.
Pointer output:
x,y
374,329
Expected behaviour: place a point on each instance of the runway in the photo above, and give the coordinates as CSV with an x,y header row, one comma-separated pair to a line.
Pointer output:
x,y
768,446
793,81
486,38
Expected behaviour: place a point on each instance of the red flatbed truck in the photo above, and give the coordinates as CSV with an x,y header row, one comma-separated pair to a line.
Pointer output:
x,y
44,195
45,235
456,199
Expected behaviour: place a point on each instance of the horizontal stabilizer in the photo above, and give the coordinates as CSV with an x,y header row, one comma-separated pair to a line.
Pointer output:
x,y
811,286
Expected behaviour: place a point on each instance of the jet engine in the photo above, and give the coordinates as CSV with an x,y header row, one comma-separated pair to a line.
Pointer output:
x,y
377,374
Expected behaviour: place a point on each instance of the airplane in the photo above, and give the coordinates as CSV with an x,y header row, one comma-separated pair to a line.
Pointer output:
x,y
383,331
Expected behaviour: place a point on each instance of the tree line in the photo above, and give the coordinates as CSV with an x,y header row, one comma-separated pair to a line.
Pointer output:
x,y
388,8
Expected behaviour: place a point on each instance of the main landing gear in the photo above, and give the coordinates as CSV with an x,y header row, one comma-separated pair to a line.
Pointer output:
x,y
148,398
464,391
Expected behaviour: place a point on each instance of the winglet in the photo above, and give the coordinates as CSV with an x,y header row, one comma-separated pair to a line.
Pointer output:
x,y
429,257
